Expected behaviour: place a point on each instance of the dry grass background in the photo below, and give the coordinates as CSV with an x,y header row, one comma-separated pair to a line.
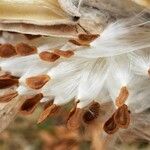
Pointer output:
x,y
25,134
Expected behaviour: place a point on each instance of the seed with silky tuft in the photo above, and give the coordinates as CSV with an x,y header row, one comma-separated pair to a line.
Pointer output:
x,y
7,50
49,57
23,49
92,113
37,82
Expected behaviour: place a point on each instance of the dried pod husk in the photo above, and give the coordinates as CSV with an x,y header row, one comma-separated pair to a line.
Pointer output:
x,y
30,104
145,3
110,126
91,113
38,17
122,116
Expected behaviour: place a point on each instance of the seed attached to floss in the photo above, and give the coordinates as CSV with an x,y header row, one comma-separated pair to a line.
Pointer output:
x,y
72,111
48,112
122,116
92,113
7,50
110,126
84,39
8,97
30,104
65,54
23,49
37,82
75,119
8,81
32,37
49,57
149,72
123,95
88,37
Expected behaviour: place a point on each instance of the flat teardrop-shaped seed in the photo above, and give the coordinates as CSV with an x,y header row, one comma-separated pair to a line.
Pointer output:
x,y
123,95
7,81
37,82
149,72
49,57
66,54
30,104
32,37
75,119
49,111
84,39
8,97
92,113
23,49
88,37
122,116
78,42
7,50
110,126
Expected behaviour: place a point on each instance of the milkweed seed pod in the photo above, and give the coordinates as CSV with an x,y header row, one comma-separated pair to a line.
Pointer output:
x,y
91,52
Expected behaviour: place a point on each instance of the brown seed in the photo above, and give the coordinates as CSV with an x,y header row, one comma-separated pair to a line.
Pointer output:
x,y
7,81
72,111
92,113
78,42
49,57
88,37
122,116
75,119
7,50
110,126
66,54
32,37
30,104
123,95
37,82
23,49
8,97
48,112
149,72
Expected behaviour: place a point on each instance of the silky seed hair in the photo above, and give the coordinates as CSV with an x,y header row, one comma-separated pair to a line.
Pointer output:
x,y
87,52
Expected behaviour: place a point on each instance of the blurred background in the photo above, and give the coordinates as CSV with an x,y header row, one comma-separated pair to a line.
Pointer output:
x,y
25,134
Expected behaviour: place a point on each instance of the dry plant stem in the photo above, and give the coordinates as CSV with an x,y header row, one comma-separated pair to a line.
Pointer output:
x,y
98,141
